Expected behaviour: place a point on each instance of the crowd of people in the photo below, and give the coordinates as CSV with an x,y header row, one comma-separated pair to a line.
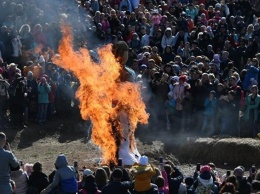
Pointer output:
x,y
197,59
140,178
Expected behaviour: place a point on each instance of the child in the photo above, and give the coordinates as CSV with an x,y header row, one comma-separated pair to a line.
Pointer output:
x,y
143,172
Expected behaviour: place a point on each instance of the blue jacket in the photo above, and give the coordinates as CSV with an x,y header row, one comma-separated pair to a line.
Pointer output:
x,y
43,93
210,107
252,72
65,176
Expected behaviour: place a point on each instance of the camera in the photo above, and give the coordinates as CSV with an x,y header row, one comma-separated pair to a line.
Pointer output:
x,y
198,167
75,164
120,162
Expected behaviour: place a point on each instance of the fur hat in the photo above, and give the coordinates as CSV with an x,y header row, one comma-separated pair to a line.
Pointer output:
x,y
143,160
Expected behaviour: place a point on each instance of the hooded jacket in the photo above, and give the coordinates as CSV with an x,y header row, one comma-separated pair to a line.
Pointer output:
x,y
167,40
143,175
65,176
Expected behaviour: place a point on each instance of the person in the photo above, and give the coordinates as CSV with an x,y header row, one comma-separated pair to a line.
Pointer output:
x,y
4,97
210,105
37,180
90,186
101,178
8,162
21,181
65,177
116,186
204,182
143,173
251,113
43,100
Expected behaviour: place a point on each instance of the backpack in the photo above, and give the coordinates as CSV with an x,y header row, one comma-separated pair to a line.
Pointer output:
x,y
201,189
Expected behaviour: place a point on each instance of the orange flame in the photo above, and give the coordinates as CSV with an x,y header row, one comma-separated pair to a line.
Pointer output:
x,y
98,87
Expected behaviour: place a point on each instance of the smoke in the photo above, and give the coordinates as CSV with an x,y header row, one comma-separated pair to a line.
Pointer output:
x,y
99,86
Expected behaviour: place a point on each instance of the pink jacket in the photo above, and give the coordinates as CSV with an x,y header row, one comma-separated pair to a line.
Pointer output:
x,y
165,188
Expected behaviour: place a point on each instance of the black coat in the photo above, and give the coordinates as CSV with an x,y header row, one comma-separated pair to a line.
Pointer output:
x,y
38,180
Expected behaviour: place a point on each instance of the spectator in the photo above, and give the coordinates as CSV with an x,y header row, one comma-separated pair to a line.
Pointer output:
x,y
143,172
8,162
43,100
116,186
101,178
65,177
37,180
21,181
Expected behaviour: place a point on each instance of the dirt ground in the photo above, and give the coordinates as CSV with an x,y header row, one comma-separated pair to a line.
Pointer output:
x,y
44,143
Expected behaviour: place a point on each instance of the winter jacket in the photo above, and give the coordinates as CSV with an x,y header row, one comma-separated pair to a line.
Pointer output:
x,y
65,176
20,178
117,187
38,180
143,175
250,107
210,107
170,40
252,72
43,93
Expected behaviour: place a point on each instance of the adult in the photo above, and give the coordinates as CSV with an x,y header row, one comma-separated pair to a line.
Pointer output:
x,y
116,186
8,162
37,180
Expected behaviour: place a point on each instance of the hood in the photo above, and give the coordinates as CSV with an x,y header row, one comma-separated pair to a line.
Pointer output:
x,y
61,161
139,169
168,29
206,183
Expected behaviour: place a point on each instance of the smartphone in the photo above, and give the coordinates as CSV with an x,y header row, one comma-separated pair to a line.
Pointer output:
x,y
161,160
253,169
21,163
198,167
228,172
75,164
120,162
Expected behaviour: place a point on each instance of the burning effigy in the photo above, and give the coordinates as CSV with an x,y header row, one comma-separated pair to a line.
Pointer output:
x,y
114,107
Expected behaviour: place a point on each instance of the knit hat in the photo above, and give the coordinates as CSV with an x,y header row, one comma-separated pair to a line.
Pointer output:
x,y
205,168
143,160
87,172
182,78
